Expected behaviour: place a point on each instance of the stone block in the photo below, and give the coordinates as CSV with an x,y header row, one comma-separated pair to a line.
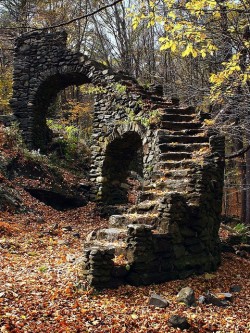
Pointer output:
x,y
186,295
177,321
158,301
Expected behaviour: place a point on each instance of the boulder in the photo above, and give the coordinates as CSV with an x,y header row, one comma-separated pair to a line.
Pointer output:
x,y
221,299
158,301
235,288
186,295
10,199
178,322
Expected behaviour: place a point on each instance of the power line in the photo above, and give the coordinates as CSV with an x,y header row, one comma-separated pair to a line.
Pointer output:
x,y
66,22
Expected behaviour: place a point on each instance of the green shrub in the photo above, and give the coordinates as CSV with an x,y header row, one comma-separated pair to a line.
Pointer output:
x,y
241,228
13,136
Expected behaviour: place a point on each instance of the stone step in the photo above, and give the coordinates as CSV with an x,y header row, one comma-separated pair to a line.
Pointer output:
x,y
177,117
174,184
117,221
166,138
173,165
144,206
108,234
108,210
119,246
182,147
150,187
161,105
174,174
177,173
175,156
193,132
182,111
175,125
156,98
151,194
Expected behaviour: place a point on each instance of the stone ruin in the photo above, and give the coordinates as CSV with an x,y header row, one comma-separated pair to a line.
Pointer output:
x,y
171,230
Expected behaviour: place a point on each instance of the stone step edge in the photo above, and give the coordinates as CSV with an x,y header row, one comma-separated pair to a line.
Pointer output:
x,y
132,218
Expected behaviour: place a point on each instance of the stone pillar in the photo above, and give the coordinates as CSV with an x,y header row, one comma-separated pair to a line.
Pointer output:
x,y
140,254
35,53
98,266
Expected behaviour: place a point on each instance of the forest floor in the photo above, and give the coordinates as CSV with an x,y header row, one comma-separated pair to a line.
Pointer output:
x,y
41,288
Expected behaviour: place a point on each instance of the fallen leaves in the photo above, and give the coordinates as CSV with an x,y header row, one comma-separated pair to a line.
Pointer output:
x,y
52,302
41,289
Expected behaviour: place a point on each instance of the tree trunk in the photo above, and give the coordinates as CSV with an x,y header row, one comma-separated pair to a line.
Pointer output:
x,y
247,178
240,165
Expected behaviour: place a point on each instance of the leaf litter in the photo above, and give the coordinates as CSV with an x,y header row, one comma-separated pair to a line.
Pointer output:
x,y
42,290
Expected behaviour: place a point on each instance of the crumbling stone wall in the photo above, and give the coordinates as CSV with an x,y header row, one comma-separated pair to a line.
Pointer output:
x,y
173,231
43,66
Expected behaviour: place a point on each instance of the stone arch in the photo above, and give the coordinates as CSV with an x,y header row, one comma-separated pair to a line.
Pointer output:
x,y
121,130
64,76
43,66
49,85
123,162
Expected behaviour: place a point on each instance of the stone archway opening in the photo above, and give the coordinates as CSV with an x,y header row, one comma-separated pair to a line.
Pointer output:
x,y
122,172
45,98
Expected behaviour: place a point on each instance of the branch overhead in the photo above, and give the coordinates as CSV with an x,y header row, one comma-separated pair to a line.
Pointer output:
x,y
66,22
239,153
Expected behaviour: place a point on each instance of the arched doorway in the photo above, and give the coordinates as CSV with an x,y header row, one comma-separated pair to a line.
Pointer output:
x,y
44,98
122,169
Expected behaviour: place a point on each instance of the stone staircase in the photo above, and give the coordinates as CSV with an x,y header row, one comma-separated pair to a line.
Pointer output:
x,y
173,230
182,143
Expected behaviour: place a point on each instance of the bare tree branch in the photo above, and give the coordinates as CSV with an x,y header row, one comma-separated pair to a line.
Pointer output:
x,y
238,153
67,22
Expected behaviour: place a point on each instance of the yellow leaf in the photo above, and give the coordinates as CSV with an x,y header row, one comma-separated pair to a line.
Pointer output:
x,y
194,53
151,23
203,53
152,4
162,39
134,316
135,22
208,122
246,77
166,45
188,50
173,47
172,15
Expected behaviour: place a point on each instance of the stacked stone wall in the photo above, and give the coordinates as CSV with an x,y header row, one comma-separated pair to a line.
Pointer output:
x,y
174,229
43,66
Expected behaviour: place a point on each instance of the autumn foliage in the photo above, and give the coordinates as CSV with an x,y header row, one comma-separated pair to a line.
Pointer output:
x,y
7,229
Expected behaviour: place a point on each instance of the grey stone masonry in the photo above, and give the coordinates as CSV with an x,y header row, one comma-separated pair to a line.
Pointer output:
x,y
171,231
98,266
7,120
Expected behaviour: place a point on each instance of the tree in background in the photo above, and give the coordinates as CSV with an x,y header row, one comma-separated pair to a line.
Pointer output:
x,y
212,37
